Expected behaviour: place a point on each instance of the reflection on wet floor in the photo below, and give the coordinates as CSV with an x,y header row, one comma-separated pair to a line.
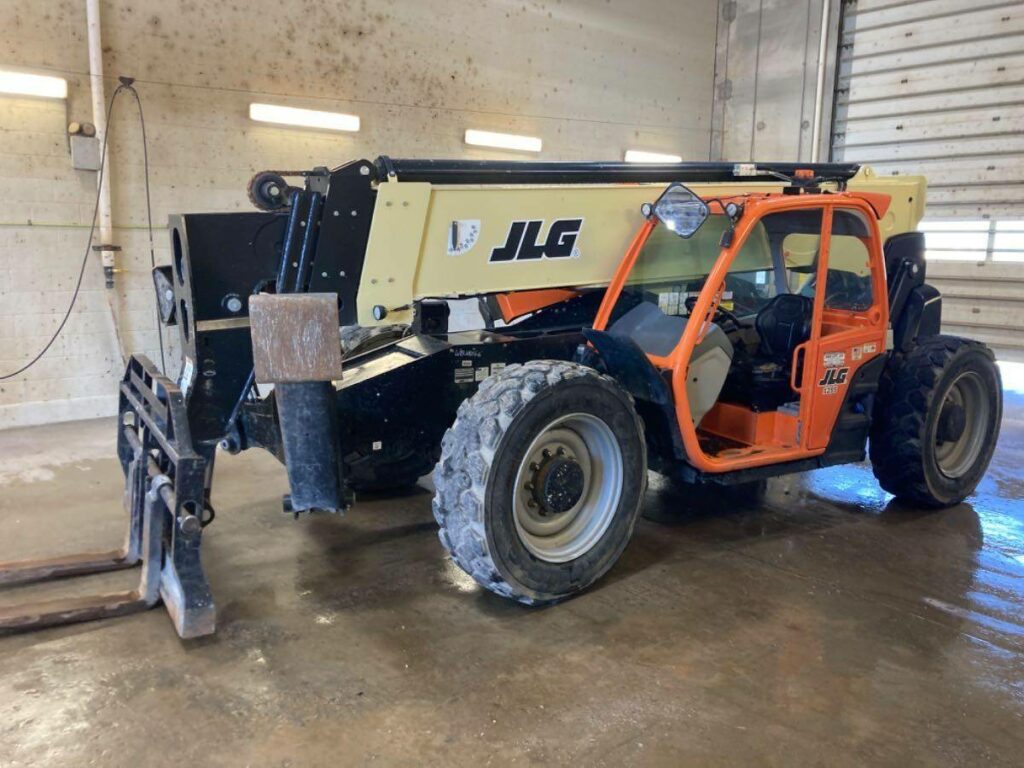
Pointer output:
x,y
962,568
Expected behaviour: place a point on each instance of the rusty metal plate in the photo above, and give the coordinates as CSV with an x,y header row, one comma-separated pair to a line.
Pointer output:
x,y
295,337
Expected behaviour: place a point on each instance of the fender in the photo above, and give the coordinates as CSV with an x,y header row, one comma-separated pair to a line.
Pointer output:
x,y
921,317
622,359
915,308
904,269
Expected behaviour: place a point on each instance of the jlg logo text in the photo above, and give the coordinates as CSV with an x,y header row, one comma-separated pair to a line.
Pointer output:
x,y
522,242
833,379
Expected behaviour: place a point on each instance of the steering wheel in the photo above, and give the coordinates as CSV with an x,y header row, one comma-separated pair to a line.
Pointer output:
x,y
691,302
843,290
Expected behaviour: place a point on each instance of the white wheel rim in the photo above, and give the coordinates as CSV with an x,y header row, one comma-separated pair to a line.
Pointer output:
x,y
956,457
560,536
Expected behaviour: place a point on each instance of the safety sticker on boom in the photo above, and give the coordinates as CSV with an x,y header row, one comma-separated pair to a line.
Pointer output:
x,y
462,236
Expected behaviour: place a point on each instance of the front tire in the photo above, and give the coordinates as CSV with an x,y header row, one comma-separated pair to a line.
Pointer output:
x,y
540,480
936,422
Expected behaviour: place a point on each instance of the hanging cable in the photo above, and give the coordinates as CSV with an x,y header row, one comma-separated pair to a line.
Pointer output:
x,y
126,85
88,248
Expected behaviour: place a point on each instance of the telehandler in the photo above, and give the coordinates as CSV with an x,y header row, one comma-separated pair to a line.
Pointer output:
x,y
765,319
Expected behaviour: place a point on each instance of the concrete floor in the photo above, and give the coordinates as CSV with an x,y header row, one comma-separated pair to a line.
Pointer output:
x,y
817,625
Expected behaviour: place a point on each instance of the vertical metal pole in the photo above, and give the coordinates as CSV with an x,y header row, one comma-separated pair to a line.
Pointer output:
x,y
99,119
819,87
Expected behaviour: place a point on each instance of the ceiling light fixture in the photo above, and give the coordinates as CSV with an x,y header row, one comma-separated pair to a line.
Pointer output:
x,y
304,118
640,156
503,140
25,84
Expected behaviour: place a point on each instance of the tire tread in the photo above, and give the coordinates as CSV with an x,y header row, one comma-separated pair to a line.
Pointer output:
x,y
467,454
905,397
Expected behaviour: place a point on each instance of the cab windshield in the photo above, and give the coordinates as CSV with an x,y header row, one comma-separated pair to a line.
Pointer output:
x,y
669,270
780,255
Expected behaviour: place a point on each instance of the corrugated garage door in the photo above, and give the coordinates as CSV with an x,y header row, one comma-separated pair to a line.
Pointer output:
x,y
937,87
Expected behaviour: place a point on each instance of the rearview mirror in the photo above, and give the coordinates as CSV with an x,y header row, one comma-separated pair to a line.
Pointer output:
x,y
680,210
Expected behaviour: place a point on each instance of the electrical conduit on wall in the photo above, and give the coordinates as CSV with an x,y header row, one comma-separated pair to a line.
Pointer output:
x,y
105,223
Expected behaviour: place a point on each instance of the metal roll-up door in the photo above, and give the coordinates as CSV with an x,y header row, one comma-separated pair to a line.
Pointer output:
x,y
936,87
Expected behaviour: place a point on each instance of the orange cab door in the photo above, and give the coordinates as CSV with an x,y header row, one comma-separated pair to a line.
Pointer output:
x,y
851,316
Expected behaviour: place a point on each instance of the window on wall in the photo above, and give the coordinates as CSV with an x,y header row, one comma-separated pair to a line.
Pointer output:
x,y
974,240
1008,241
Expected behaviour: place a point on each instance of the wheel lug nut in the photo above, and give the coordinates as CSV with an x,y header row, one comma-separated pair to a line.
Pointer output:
x,y
535,467
546,453
561,451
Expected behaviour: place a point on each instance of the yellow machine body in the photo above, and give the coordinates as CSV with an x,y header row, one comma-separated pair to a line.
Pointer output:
x,y
411,253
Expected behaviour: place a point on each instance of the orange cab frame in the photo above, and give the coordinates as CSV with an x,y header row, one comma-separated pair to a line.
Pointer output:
x,y
855,337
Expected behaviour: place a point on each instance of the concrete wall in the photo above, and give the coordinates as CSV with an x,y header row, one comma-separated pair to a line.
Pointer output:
x,y
590,78
765,78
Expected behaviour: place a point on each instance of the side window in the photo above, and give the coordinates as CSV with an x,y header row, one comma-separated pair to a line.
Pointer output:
x,y
848,284
779,256
795,238
750,283
800,251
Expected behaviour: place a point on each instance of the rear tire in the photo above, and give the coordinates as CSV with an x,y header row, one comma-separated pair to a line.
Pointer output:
x,y
540,480
936,422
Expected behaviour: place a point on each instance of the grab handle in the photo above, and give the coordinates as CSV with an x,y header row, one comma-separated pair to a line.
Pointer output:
x,y
800,349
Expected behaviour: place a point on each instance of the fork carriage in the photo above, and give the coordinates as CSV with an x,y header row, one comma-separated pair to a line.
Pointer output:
x,y
166,498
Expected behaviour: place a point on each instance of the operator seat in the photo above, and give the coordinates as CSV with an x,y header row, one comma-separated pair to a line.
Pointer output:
x,y
658,334
653,331
761,379
782,325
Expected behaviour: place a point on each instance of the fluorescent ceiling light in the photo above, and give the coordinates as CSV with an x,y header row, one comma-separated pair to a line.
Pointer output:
x,y
639,156
24,84
305,118
502,140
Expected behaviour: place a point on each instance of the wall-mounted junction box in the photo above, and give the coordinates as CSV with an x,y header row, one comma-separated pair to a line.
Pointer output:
x,y
85,153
